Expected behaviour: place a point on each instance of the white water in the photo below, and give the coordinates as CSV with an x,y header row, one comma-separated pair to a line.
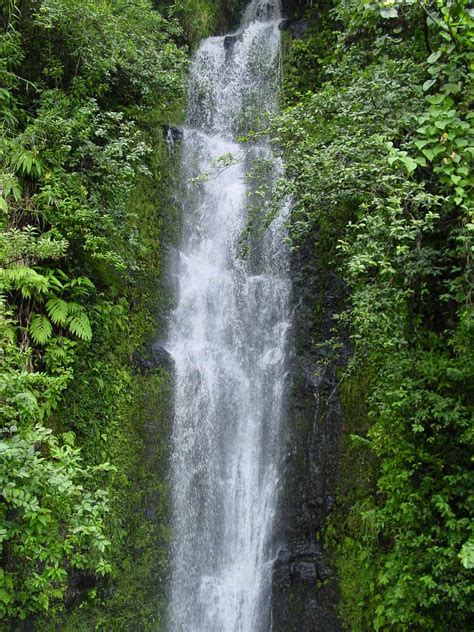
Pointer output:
x,y
228,342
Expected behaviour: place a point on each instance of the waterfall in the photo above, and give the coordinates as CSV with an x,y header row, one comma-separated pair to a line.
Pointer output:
x,y
228,339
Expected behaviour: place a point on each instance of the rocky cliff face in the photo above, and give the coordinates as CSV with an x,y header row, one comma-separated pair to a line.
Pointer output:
x,y
304,587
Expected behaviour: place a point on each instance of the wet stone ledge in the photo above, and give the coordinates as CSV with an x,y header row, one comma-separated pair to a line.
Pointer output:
x,y
305,589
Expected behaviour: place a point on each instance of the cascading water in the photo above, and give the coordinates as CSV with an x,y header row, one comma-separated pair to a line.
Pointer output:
x,y
228,342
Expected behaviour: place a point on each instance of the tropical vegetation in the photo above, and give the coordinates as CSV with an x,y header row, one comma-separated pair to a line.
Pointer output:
x,y
377,133
376,130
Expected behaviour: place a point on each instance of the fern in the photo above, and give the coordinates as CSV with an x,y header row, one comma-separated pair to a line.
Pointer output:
x,y
40,329
57,310
24,279
60,312
74,309
79,325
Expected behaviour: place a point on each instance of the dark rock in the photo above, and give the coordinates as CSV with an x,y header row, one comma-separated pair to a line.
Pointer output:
x,y
229,41
80,582
298,28
323,569
142,364
172,135
303,571
305,590
161,357
29,625
283,557
265,11
303,548
151,359
109,592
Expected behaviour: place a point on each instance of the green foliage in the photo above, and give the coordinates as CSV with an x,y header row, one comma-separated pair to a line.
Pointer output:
x,y
121,51
40,328
378,156
48,516
197,17
202,18
130,429
85,89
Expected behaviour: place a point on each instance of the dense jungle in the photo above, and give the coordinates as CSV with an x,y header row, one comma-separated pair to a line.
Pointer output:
x,y
372,132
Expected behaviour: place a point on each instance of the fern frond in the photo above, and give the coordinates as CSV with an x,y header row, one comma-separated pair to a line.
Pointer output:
x,y
40,329
74,309
80,326
24,279
57,310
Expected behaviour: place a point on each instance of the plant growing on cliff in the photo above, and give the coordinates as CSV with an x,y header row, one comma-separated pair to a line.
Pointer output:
x,y
378,156
81,85
49,517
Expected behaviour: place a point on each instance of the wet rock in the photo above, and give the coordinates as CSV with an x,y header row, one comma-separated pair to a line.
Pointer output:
x,y
172,135
229,41
283,557
303,548
297,28
323,570
140,363
151,359
161,357
265,11
304,571
305,590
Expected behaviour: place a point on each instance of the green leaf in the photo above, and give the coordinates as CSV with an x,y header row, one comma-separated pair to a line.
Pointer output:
x,y
409,163
80,326
5,597
57,310
433,58
427,85
422,143
40,329
467,554
358,440
389,12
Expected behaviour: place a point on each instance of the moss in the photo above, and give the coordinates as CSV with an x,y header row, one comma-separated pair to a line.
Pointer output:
x,y
350,533
134,597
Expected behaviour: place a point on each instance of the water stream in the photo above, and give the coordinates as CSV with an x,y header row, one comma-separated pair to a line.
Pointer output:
x,y
228,339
